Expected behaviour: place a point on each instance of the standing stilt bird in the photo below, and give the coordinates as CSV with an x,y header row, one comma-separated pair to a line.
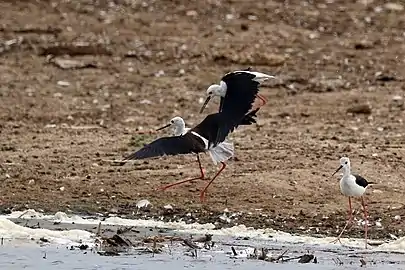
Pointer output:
x,y
352,185
208,136
238,90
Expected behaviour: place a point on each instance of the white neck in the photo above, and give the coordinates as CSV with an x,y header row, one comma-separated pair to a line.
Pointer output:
x,y
346,170
222,89
179,129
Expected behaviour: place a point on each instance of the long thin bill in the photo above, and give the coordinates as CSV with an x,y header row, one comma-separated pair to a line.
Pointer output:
x,y
340,167
205,103
163,127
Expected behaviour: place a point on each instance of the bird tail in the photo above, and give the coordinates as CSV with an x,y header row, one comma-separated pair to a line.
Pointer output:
x,y
261,77
222,152
249,118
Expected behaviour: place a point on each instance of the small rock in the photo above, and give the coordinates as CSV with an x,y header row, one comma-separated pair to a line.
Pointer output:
x,y
397,102
397,217
360,109
394,7
191,13
145,101
160,73
229,16
31,182
63,83
62,188
168,207
252,17
363,45
244,27
143,203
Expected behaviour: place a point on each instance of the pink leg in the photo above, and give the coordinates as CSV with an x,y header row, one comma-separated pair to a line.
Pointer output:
x,y
263,99
202,194
202,177
365,220
349,221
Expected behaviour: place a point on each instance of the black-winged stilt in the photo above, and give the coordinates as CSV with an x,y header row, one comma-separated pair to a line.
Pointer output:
x,y
352,185
179,129
208,136
238,90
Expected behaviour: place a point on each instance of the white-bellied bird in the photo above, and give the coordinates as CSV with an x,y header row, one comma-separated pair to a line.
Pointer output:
x,y
352,185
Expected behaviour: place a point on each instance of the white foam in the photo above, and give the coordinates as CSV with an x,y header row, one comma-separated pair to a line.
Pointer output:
x,y
11,231
209,228
396,245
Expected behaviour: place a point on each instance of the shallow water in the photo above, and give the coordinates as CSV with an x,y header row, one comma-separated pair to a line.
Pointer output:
x,y
50,256
23,249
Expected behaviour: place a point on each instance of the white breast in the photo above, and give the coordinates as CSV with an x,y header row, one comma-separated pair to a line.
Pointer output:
x,y
348,187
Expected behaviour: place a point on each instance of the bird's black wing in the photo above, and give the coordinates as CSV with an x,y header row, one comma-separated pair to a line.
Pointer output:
x,y
222,100
249,118
241,93
217,126
361,181
175,145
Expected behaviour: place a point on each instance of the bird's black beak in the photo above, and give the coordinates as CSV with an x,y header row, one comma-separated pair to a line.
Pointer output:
x,y
205,103
340,167
168,125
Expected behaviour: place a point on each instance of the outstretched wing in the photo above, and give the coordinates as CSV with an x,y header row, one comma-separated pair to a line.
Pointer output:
x,y
242,89
240,94
176,145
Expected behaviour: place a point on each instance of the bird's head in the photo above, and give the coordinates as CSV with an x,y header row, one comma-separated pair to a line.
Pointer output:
x,y
344,163
214,90
176,121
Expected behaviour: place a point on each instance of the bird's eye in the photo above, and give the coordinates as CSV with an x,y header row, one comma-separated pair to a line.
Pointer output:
x,y
172,122
346,162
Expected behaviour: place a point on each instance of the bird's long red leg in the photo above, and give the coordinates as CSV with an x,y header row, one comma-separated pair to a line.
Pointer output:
x,y
365,220
202,177
349,221
202,194
263,99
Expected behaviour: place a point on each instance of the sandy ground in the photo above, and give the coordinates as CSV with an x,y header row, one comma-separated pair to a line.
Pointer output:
x,y
138,64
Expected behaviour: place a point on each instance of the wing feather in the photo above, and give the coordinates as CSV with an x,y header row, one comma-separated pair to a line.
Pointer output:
x,y
175,145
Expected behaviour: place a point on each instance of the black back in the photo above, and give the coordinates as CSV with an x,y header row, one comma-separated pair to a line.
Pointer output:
x,y
361,181
240,95
175,145
216,127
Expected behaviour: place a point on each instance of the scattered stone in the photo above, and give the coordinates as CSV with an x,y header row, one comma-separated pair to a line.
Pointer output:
x,y
360,109
385,78
43,239
63,83
394,6
143,204
71,64
306,258
363,45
